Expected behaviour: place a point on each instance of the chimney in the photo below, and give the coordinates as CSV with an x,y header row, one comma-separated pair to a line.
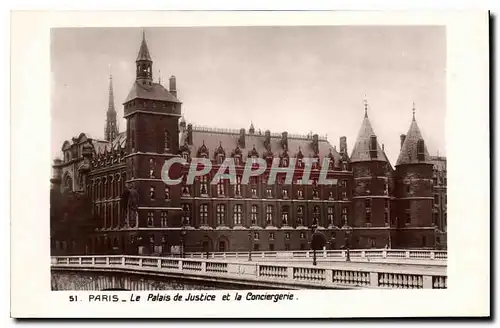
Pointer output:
x,y
189,138
402,137
56,174
267,140
284,140
315,143
343,145
172,86
241,140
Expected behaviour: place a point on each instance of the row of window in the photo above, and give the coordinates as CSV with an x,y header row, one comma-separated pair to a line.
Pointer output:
x,y
107,187
221,191
220,214
284,160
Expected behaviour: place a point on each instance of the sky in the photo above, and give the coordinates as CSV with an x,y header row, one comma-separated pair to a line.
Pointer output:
x,y
295,79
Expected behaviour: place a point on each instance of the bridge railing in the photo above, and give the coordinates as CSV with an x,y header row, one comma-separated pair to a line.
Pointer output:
x,y
335,275
356,254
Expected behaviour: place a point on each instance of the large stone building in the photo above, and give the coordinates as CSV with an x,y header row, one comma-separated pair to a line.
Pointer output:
x,y
370,204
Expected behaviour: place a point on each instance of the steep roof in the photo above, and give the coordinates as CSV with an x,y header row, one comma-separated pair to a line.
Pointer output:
x,y
143,50
155,91
361,150
408,153
214,138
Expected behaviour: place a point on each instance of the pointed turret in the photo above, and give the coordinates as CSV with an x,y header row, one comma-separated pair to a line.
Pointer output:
x,y
414,195
413,149
144,64
111,129
143,50
371,175
367,147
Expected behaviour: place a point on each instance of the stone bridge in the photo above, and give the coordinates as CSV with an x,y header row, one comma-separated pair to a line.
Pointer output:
x,y
163,273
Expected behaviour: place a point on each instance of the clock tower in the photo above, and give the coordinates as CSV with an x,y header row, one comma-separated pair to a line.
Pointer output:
x,y
152,113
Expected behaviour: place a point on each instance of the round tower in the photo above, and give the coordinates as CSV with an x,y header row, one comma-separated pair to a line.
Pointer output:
x,y
371,196
414,190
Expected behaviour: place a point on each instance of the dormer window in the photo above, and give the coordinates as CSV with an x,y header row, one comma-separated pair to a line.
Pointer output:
x,y
185,155
237,160
284,162
373,143
220,159
420,150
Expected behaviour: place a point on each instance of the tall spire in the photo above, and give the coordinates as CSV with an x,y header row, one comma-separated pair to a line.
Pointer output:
x,y
111,97
366,107
111,128
413,110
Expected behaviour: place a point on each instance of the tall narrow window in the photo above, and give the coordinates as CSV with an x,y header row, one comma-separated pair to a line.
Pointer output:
x,y
186,215
269,215
204,214
150,219
300,215
253,214
220,188
167,141
167,194
368,217
316,214
368,205
330,216
284,214
221,214
344,215
164,219
151,168
152,194
269,192
204,185
237,187
237,209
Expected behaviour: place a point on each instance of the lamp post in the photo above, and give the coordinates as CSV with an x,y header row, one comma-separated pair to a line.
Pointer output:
x,y
314,226
249,246
183,236
348,243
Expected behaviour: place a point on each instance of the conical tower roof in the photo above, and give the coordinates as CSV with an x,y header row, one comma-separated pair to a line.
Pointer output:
x,y
409,149
361,151
143,50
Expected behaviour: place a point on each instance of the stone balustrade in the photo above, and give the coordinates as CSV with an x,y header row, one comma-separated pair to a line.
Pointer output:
x,y
279,275
356,255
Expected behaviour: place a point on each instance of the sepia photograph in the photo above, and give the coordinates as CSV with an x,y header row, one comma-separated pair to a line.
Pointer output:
x,y
169,174
243,164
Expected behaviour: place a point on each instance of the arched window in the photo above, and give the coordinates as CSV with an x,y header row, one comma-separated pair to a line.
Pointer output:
x,y
167,141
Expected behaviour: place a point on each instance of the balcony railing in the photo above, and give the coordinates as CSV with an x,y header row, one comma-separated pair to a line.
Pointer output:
x,y
360,255
286,275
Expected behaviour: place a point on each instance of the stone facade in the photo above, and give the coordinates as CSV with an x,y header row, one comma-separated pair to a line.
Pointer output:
x,y
369,204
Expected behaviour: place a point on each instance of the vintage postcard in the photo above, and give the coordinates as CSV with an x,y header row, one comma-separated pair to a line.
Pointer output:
x,y
250,164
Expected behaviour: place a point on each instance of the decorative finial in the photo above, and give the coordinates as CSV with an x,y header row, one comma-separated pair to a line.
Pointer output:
x,y
413,109
110,74
366,107
159,76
